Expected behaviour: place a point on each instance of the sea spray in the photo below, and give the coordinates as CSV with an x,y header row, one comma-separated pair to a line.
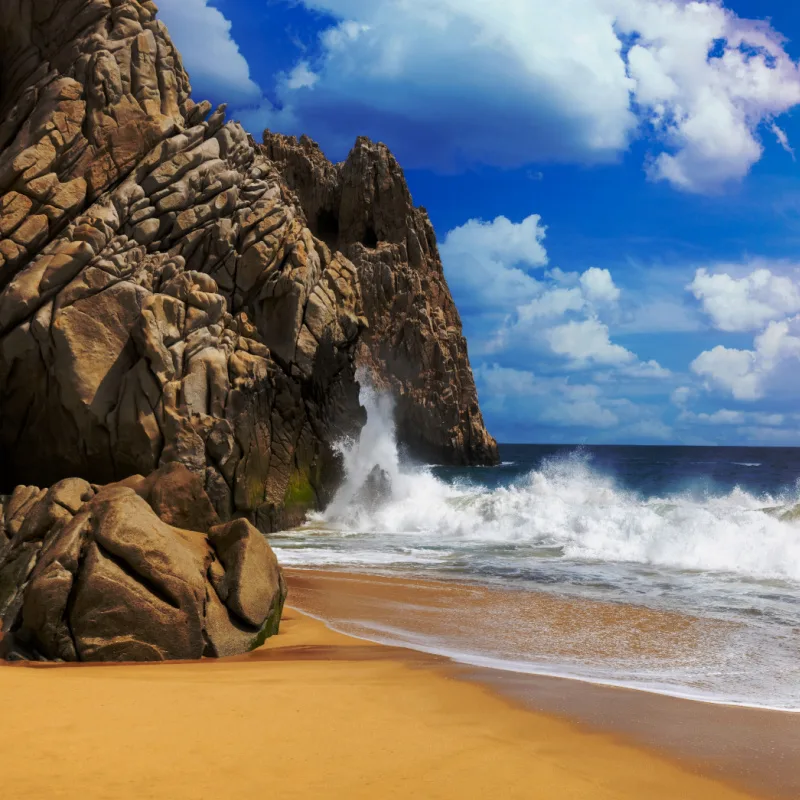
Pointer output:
x,y
569,527
376,447
407,485
565,506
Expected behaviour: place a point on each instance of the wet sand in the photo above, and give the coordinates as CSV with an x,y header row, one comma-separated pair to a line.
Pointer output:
x,y
312,714
758,751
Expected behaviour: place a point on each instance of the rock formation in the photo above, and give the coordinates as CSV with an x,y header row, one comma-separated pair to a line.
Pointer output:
x,y
160,296
119,573
179,338
414,346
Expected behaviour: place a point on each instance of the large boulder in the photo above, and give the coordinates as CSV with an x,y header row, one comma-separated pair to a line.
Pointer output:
x,y
177,496
95,574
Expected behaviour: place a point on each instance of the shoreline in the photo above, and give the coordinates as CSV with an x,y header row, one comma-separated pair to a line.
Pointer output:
x,y
311,713
752,748
315,711
487,662
469,662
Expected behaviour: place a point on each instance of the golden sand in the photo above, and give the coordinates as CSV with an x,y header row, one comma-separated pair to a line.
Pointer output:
x,y
756,750
313,714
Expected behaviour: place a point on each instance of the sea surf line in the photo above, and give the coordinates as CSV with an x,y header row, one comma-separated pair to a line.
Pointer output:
x,y
569,529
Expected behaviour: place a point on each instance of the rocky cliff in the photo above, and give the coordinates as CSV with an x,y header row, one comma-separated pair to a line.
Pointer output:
x,y
174,296
161,298
414,346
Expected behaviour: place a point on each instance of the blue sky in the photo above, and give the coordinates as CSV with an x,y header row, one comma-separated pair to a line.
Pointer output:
x,y
613,184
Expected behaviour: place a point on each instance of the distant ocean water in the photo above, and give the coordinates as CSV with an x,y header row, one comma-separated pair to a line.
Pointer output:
x,y
705,532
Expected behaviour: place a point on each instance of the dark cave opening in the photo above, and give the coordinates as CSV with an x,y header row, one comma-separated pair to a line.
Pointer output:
x,y
328,228
370,238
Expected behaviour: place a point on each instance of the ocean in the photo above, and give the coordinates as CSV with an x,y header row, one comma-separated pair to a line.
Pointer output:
x,y
680,565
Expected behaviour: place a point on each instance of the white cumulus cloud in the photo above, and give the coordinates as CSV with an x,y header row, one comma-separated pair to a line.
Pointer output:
x,y
646,370
681,396
598,286
515,245
587,343
301,77
510,303
706,80
514,82
745,303
748,374
216,67
489,262
490,268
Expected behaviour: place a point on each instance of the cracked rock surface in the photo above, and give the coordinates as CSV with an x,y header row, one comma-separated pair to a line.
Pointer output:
x,y
92,573
161,298
182,316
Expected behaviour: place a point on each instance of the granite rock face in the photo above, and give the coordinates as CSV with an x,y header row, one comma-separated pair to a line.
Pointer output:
x,y
182,316
161,298
414,346
92,573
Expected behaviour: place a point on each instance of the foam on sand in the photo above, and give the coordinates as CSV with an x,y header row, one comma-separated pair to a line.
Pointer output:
x,y
567,528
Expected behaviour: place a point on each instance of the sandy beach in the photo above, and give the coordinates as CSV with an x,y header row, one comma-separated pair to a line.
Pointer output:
x,y
399,400
753,749
316,713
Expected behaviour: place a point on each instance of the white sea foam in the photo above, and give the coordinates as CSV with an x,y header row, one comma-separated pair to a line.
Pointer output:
x,y
568,505
642,680
569,528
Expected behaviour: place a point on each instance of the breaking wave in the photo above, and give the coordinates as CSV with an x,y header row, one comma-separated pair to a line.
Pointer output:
x,y
566,506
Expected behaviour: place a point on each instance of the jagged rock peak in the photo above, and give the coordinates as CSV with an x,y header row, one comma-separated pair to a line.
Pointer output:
x,y
414,345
